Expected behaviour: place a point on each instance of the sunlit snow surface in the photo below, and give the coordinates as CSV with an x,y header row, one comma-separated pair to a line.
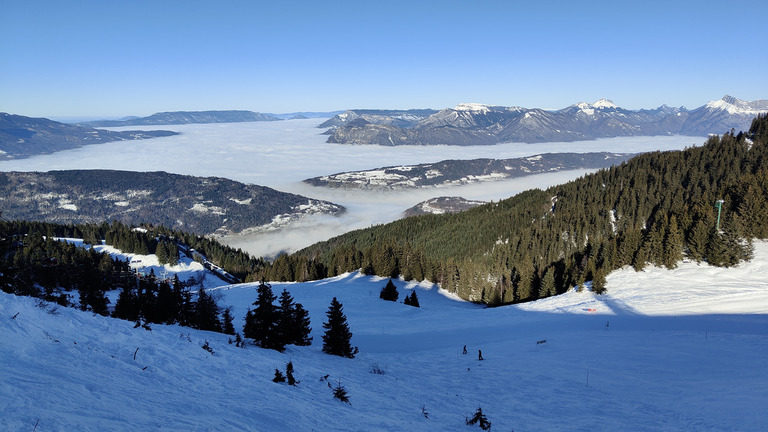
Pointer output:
x,y
282,154
679,350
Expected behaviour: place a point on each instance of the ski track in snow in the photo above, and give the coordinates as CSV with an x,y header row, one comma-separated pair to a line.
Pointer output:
x,y
663,350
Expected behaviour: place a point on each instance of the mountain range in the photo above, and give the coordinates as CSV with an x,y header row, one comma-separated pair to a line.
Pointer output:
x,y
477,124
201,205
186,117
203,117
22,136
459,172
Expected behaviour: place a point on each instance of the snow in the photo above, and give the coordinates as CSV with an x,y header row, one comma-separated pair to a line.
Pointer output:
x,y
242,202
680,349
202,208
603,103
67,204
737,106
473,107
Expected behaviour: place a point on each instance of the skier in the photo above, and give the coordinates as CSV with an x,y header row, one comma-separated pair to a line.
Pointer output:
x,y
465,350
479,355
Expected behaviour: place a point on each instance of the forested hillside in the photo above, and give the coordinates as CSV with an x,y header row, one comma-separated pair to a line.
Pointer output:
x,y
36,260
202,205
656,208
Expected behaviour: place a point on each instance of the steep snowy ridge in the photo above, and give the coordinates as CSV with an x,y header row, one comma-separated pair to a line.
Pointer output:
x,y
737,106
680,349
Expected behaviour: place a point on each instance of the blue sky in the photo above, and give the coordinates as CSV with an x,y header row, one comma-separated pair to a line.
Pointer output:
x,y
117,58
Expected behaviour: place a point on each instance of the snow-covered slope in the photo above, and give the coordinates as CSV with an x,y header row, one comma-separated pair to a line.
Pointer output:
x,y
663,350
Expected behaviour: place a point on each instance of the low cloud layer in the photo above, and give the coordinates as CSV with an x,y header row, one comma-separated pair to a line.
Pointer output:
x,y
282,154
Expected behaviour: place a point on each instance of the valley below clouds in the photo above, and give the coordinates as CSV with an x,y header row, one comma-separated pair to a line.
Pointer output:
x,y
282,154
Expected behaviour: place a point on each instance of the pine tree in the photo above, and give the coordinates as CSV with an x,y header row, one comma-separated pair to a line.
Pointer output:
x,y
481,419
413,299
206,312
162,253
285,318
279,377
673,244
598,282
389,292
166,306
301,327
127,306
261,323
336,340
289,374
340,393
228,327
548,287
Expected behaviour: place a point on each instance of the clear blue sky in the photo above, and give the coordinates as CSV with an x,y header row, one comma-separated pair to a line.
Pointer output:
x,y
114,58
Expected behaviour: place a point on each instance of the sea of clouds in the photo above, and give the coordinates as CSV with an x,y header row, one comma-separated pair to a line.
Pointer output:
x,y
281,154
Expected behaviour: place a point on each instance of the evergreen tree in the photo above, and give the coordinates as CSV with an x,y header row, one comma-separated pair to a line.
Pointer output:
x,y
228,327
548,287
673,244
162,253
261,323
206,312
289,374
481,419
285,316
336,340
91,290
127,306
279,377
340,393
166,305
389,292
598,282
412,300
301,327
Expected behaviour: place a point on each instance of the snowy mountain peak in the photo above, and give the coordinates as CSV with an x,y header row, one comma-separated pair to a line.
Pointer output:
x,y
603,103
735,105
600,104
473,107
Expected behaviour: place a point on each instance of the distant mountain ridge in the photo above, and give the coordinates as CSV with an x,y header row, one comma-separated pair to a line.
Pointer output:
x,y
201,205
22,136
478,124
459,172
442,205
187,117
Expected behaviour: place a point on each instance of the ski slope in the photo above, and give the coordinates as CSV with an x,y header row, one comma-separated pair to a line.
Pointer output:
x,y
663,350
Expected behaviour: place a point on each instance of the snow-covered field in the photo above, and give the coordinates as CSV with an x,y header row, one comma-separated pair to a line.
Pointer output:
x,y
282,154
679,350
